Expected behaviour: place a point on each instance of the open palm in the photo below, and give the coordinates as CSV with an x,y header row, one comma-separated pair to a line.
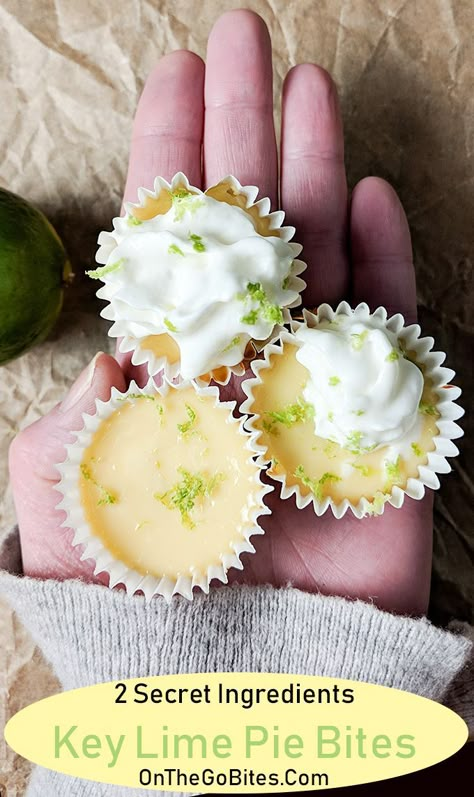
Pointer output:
x,y
209,121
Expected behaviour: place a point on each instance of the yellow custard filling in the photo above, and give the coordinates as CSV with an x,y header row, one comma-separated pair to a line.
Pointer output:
x,y
167,483
321,466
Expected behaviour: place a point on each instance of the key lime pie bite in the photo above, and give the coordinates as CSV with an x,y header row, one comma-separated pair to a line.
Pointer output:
x,y
162,488
353,410
196,281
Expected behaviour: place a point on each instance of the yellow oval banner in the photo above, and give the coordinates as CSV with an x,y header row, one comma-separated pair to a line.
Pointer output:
x,y
235,732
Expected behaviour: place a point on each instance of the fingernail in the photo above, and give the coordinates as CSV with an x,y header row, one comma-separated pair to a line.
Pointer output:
x,y
80,386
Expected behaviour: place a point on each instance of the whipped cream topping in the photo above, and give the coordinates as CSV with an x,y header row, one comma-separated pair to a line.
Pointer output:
x,y
202,274
364,391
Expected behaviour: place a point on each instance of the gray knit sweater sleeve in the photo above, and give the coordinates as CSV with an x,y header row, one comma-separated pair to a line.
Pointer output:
x,y
92,634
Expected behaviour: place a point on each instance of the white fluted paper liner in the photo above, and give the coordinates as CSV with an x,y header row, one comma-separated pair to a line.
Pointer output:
x,y
446,406
120,327
93,546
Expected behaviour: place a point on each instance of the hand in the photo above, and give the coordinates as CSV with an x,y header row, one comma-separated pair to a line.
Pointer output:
x,y
361,252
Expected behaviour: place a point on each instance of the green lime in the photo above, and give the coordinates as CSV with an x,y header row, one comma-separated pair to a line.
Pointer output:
x,y
33,271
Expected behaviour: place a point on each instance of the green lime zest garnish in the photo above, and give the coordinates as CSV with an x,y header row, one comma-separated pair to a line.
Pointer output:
x,y
358,339
333,381
315,485
185,201
393,356
251,318
173,249
106,496
132,221
270,312
377,504
417,449
427,409
394,475
198,245
358,412
331,417
273,313
364,469
354,440
186,492
169,325
234,342
330,449
146,397
102,271
298,412
185,428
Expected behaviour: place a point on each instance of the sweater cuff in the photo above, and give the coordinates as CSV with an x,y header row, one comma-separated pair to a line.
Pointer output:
x,y
92,634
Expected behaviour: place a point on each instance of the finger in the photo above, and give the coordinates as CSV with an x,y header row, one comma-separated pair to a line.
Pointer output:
x,y
139,373
167,131
47,551
313,180
239,135
382,261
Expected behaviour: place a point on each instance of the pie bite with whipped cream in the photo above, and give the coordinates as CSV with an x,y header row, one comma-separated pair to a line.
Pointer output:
x,y
343,410
193,278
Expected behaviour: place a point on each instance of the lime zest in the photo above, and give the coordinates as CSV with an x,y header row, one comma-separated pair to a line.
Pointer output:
x,y
186,492
331,417
198,244
234,342
354,440
358,339
273,313
298,412
417,450
173,249
132,221
169,325
333,381
147,397
393,356
315,485
186,427
330,449
270,312
377,504
183,201
103,271
358,412
393,472
106,496
427,409
251,318
364,469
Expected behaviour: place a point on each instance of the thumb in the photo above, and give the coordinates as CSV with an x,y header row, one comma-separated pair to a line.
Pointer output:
x,y
34,454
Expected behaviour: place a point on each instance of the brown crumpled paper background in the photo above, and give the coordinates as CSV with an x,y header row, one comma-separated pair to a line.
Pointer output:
x,y
71,74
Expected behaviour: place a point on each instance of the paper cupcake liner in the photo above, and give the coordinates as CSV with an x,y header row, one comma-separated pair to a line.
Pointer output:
x,y
440,377
261,213
95,549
